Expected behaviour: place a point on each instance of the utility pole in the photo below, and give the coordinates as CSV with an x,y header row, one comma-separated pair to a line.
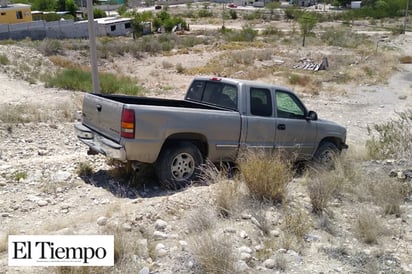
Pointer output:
x,y
405,22
92,45
223,15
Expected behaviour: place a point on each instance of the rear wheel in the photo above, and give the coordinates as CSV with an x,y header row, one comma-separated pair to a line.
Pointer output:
x,y
326,154
178,164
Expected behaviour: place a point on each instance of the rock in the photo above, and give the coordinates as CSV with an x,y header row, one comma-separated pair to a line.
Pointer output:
x,y
243,234
102,221
245,256
230,230
245,249
42,203
160,250
269,263
61,176
158,235
5,214
402,97
274,233
42,152
246,216
142,246
241,266
3,183
160,225
183,245
127,227
144,270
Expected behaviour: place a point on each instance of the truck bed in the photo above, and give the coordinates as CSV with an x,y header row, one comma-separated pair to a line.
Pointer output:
x,y
150,101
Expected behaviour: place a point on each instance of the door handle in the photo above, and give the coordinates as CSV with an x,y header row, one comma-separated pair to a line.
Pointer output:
x,y
99,107
281,126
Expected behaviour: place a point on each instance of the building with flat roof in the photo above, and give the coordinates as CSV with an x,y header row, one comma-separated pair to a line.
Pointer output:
x,y
15,13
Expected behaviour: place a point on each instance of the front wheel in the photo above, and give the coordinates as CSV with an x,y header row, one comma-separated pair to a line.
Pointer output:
x,y
178,164
326,154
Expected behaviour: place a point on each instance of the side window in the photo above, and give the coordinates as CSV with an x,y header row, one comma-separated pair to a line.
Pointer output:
x,y
288,106
260,102
195,91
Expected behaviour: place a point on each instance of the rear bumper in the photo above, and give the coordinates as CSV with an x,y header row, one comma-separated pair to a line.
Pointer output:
x,y
99,143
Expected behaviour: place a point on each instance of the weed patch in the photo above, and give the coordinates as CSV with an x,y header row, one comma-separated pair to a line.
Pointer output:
x,y
367,227
392,139
213,254
266,176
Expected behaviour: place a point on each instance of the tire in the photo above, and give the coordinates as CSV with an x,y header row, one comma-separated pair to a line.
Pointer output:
x,y
178,164
326,154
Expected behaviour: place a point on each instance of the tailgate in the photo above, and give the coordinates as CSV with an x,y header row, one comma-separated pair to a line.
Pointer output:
x,y
103,115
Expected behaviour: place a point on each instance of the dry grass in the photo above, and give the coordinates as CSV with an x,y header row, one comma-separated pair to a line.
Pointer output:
x,y
201,219
63,62
367,227
392,139
405,59
228,198
213,254
28,113
84,169
3,243
266,176
389,195
296,222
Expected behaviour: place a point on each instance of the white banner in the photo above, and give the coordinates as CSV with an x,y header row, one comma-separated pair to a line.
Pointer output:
x,y
61,250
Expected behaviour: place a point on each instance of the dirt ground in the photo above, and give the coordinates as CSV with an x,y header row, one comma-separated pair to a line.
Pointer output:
x,y
53,199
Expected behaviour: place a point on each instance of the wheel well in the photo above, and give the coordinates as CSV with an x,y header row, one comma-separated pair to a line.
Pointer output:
x,y
198,140
336,141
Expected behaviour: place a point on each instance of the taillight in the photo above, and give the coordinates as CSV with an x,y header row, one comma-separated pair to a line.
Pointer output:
x,y
127,130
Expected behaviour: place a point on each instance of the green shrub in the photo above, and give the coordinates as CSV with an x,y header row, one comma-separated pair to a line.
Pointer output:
x,y
4,60
301,80
204,13
247,34
77,79
343,37
20,175
84,169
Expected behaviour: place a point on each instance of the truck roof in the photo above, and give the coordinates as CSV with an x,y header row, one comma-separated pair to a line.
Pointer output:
x,y
235,81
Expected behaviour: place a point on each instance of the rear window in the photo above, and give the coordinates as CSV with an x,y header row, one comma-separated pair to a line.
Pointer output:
x,y
215,93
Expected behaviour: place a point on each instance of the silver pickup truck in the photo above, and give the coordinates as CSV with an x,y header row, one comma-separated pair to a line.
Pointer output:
x,y
218,118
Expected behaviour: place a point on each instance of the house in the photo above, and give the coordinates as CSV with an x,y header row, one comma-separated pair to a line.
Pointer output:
x,y
14,13
303,3
114,26
355,4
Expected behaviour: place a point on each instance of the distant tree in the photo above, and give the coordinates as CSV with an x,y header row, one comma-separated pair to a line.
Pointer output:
x,y
44,5
307,22
61,5
271,6
71,7
98,13
138,22
122,9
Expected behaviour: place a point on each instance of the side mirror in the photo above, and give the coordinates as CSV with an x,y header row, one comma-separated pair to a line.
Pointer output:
x,y
312,116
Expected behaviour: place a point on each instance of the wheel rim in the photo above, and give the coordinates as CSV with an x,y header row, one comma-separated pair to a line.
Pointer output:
x,y
183,166
326,159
